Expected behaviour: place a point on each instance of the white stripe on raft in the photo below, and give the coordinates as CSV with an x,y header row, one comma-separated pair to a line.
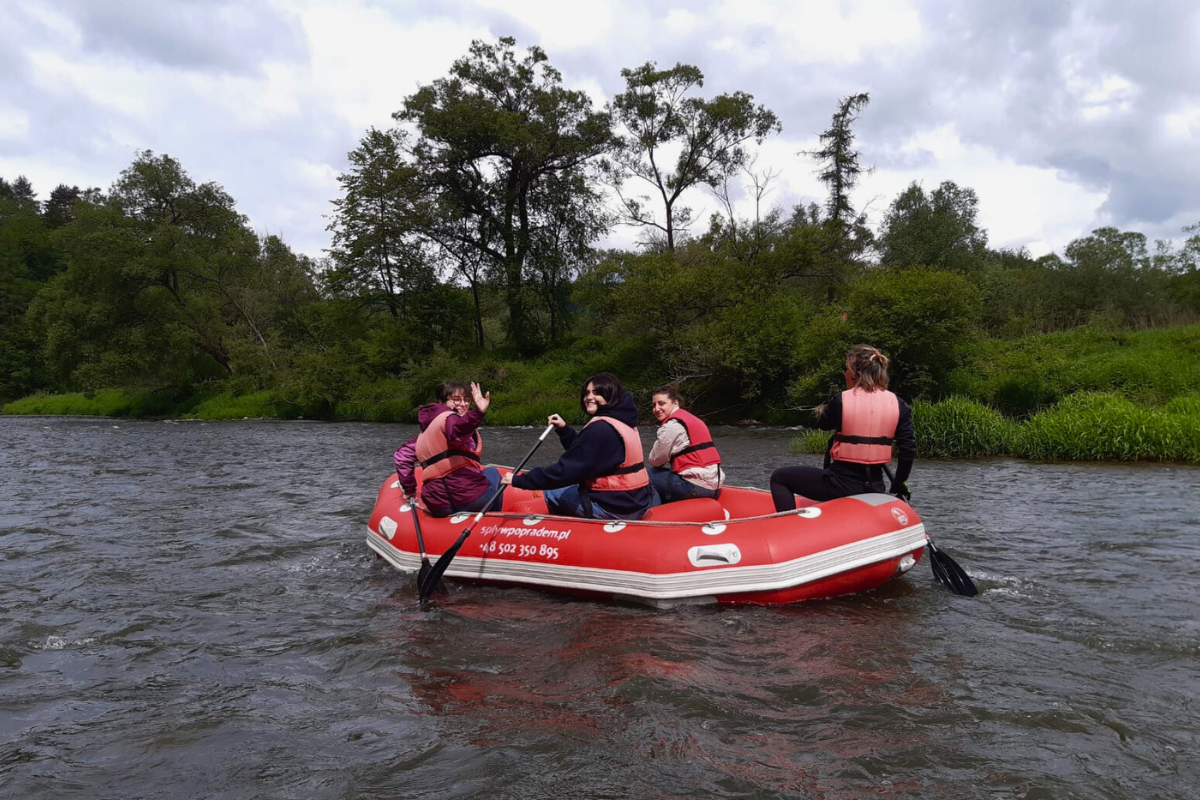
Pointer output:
x,y
716,580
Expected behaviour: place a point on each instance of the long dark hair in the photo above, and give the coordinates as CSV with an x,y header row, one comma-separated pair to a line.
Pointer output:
x,y
606,385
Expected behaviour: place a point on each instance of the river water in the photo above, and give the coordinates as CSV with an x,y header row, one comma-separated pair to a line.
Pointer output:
x,y
188,610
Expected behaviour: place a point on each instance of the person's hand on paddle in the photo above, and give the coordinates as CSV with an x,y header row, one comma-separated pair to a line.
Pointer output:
x,y
556,420
506,479
482,401
901,491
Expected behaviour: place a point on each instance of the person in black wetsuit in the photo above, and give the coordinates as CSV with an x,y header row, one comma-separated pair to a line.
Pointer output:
x,y
866,419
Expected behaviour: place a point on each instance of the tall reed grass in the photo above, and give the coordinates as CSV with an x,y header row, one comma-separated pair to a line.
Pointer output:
x,y
960,428
811,441
1104,427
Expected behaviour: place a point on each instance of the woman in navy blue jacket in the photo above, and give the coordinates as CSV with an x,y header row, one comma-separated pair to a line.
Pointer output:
x,y
601,474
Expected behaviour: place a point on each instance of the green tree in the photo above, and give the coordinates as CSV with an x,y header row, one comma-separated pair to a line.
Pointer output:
x,y
1107,273
60,208
377,246
20,191
1185,280
27,260
924,321
827,247
573,218
656,115
491,134
840,168
153,292
937,230
264,300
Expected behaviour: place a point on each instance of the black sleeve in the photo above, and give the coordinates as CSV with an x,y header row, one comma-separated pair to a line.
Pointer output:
x,y
906,443
566,436
831,415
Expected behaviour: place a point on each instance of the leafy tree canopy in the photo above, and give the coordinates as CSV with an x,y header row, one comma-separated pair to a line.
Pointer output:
x,y
710,137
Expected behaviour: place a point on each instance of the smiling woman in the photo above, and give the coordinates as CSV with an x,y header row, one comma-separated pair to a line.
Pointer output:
x,y
601,474
448,450
684,462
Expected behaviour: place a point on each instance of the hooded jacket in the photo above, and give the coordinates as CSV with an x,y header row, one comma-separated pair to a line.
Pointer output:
x,y
593,451
461,486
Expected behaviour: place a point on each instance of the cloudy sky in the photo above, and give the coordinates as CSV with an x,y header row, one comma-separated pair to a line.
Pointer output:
x,y
1063,116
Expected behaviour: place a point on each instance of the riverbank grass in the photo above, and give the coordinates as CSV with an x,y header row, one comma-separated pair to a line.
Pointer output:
x,y
1020,377
961,428
1105,427
953,428
100,403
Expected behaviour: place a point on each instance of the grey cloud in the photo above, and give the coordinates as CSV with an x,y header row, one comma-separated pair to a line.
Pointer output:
x,y
996,71
213,35
992,70
1147,199
78,139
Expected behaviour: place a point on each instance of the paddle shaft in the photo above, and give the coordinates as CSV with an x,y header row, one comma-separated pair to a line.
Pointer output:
x,y
439,568
412,504
487,506
424,587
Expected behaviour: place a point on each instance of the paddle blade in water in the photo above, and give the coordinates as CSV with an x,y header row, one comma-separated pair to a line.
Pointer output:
x,y
439,568
949,573
424,589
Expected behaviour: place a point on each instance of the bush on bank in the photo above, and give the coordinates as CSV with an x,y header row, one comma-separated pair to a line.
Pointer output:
x,y
100,403
1020,377
1126,423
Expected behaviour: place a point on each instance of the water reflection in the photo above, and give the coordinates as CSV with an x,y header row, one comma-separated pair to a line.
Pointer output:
x,y
180,616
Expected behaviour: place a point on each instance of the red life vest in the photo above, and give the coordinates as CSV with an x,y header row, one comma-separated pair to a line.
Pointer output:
x,y
435,456
868,429
700,452
631,474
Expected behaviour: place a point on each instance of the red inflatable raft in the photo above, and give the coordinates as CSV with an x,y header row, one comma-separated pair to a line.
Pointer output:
x,y
734,549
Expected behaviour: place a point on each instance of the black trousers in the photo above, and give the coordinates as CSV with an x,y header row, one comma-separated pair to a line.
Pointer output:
x,y
816,484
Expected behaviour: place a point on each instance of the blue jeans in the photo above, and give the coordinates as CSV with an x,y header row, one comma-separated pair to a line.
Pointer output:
x,y
671,487
493,479
568,502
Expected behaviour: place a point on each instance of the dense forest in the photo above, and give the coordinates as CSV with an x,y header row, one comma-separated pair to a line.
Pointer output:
x,y
464,244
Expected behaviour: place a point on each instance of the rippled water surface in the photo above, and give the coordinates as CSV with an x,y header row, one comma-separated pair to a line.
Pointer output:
x,y
188,610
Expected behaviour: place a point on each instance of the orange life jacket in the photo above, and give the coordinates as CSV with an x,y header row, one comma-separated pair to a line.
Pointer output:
x,y
435,456
868,429
631,474
700,452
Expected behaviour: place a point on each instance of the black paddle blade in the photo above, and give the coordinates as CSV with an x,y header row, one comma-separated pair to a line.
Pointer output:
x,y
436,590
439,568
949,573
